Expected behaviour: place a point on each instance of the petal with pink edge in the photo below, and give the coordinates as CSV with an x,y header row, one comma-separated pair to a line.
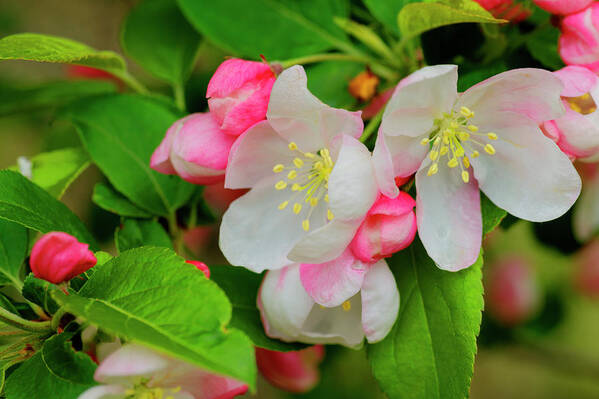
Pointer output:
x,y
577,80
383,168
130,362
160,160
579,42
197,383
380,302
104,392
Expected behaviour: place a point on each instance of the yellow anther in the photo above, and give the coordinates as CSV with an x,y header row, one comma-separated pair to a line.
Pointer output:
x,y
309,155
424,141
474,154
295,187
466,112
346,306
325,153
592,109
292,146
283,205
444,150
281,185
306,225
465,176
318,165
433,155
490,149
492,136
313,201
297,208
433,169
459,152
292,175
454,125
464,136
575,107
473,128
437,141
298,162
330,215
453,162
585,96
278,168
466,162
326,198
445,140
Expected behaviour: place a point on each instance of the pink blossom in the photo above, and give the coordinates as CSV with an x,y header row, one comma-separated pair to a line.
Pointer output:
x,y
587,271
563,7
506,9
58,257
238,94
195,149
389,226
579,41
200,266
294,371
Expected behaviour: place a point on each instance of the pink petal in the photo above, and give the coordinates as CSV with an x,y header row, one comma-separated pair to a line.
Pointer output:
x,y
577,80
579,41
294,371
562,7
129,363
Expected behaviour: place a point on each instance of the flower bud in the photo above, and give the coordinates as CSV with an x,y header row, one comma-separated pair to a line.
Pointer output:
x,y
578,44
238,94
389,226
295,371
218,198
58,257
201,266
363,86
195,149
587,272
377,103
561,7
505,9
511,291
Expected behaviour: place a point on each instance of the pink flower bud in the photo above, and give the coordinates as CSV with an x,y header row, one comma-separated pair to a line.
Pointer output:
x,y
218,198
579,41
561,7
505,9
587,272
389,226
201,266
58,257
292,371
377,103
238,94
511,291
195,149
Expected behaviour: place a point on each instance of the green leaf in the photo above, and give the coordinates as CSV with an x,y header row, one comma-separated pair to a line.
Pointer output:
x,y
13,249
333,92
24,202
278,29
386,11
430,351
542,45
108,199
20,98
121,132
241,286
492,215
46,48
137,233
39,292
63,362
55,171
159,38
167,305
33,380
417,18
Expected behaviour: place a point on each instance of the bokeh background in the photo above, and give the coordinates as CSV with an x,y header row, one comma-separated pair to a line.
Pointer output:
x,y
551,351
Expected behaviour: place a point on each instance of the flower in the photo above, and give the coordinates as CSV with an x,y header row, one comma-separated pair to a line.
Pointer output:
x,y
390,226
312,182
194,148
238,94
577,132
363,86
58,257
338,302
134,371
561,7
293,371
586,211
505,9
200,266
579,42
487,138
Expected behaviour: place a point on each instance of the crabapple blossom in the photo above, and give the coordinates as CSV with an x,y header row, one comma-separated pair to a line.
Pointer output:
x,y
195,149
506,9
338,302
58,257
201,266
134,371
561,7
312,182
579,42
586,211
487,138
293,371
238,94
577,132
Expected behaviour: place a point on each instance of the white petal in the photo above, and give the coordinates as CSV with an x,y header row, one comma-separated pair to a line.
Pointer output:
x,y
380,302
254,155
130,362
352,184
255,234
383,168
335,121
419,99
406,153
528,176
449,218
104,392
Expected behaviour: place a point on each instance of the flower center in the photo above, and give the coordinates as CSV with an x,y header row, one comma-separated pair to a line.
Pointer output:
x,y
308,179
142,391
583,104
454,138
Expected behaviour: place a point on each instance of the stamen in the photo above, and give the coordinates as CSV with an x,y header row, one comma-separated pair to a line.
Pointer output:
x,y
326,198
278,168
298,163
433,169
292,175
474,154
283,205
466,162
444,150
295,187
424,141
306,225
453,162
297,208
489,149
433,155
281,185
292,146
313,201
465,176
346,306
309,155
492,136
330,215
473,128
466,112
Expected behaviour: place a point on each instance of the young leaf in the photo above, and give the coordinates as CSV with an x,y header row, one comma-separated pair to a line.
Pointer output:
x,y
108,199
492,215
279,29
159,38
367,36
24,202
417,18
167,305
137,233
13,249
386,11
39,292
241,286
63,362
121,132
430,351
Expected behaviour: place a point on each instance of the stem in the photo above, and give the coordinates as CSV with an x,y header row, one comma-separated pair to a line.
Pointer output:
x,y
179,93
372,125
130,81
19,322
57,317
38,310
175,233
376,67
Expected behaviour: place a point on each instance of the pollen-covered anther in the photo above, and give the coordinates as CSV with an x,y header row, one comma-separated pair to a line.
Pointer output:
x,y
492,136
489,149
346,306
278,168
306,225
330,215
283,205
453,162
433,169
281,185
465,176
467,112
292,175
